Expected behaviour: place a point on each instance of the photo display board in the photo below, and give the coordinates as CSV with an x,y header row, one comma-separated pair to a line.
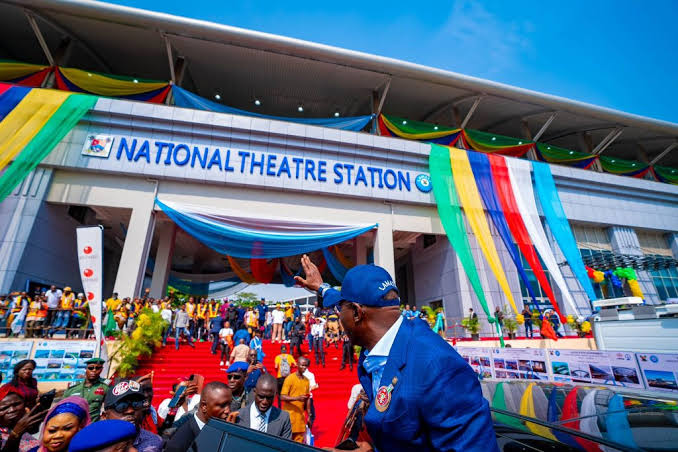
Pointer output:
x,y
598,367
479,358
11,352
520,364
659,370
62,360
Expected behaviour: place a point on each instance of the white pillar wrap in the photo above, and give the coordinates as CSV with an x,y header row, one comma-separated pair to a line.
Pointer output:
x,y
163,259
383,246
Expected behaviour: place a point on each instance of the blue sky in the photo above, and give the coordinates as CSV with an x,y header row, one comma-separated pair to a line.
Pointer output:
x,y
619,54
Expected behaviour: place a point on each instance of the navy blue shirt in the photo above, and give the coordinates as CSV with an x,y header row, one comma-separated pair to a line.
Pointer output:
x,y
216,324
241,334
262,313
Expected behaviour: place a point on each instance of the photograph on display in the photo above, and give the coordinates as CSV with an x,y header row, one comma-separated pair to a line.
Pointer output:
x,y
511,365
560,368
500,374
601,372
625,375
580,372
661,379
514,375
485,361
41,354
524,364
499,364
475,361
539,366
62,360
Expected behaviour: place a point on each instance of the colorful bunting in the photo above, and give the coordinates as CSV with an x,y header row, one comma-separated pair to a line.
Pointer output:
x,y
416,130
665,174
521,182
240,272
558,224
491,143
553,154
24,74
33,122
623,167
449,211
108,85
263,270
469,197
486,186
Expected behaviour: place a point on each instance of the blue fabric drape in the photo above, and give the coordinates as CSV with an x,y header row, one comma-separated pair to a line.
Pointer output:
x,y
232,236
336,268
482,172
11,98
617,423
558,224
287,278
187,99
552,415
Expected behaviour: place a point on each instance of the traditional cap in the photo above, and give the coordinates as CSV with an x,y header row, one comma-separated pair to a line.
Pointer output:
x,y
238,366
95,361
123,389
102,434
363,284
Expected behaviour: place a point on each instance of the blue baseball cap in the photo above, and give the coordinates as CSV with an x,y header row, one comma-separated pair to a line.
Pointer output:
x,y
366,285
102,434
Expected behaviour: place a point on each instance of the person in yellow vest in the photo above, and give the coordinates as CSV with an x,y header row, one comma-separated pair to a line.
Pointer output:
x,y
121,314
64,315
201,317
212,309
191,311
37,311
79,318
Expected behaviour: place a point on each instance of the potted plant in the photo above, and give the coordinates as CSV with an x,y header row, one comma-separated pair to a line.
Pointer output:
x,y
580,325
472,325
511,326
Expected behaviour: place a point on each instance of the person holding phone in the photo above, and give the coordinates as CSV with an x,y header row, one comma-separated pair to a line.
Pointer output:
x,y
15,422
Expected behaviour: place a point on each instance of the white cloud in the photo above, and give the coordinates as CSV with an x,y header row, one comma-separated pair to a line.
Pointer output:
x,y
479,40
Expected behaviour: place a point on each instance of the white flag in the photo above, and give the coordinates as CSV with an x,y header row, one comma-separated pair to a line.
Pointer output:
x,y
90,257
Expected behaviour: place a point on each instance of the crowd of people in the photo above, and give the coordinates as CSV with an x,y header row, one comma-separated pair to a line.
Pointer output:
x,y
95,414
44,313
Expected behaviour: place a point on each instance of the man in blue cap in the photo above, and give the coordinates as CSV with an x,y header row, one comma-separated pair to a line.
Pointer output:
x,y
423,395
105,436
237,373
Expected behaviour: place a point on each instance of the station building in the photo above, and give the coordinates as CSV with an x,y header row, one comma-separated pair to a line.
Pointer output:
x,y
233,164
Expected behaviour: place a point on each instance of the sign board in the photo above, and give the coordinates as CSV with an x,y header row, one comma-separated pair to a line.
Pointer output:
x,y
479,358
660,371
517,363
98,146
11,352
90,258
597,367
62,360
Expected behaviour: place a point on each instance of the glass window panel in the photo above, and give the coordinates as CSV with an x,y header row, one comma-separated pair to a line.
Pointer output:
x,y
671,291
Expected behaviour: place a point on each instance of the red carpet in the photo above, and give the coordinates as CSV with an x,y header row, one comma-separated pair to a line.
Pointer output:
x,y
330,398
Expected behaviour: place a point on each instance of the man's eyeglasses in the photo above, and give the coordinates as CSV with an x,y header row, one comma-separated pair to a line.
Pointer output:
x,y
234,376
95,367
124,405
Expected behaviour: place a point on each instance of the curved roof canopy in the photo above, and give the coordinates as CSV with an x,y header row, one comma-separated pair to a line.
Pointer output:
x,y
242,66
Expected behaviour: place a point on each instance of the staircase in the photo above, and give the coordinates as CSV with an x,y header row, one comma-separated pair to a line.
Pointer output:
x,y
330,399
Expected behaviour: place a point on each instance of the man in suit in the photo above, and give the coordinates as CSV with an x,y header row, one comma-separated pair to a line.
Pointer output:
x,y
423,395
261,415
215,402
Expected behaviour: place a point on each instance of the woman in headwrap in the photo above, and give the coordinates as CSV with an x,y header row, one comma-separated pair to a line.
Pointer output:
x,y
15,423
24,383
62,422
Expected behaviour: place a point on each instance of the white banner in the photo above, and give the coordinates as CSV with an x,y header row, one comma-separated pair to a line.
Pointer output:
x,y
90,257
520,363
597,367
660,371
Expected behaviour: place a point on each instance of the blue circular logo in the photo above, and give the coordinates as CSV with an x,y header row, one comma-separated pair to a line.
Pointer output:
x,y
423,183
654,359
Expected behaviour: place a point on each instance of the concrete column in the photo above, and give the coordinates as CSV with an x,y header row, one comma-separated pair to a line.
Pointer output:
x,y
624,240
163,259
135,251
361,250
672,238
383,246
18,213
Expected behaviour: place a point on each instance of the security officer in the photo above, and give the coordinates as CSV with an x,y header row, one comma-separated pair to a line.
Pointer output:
x,y
110,435
93,388
423,395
